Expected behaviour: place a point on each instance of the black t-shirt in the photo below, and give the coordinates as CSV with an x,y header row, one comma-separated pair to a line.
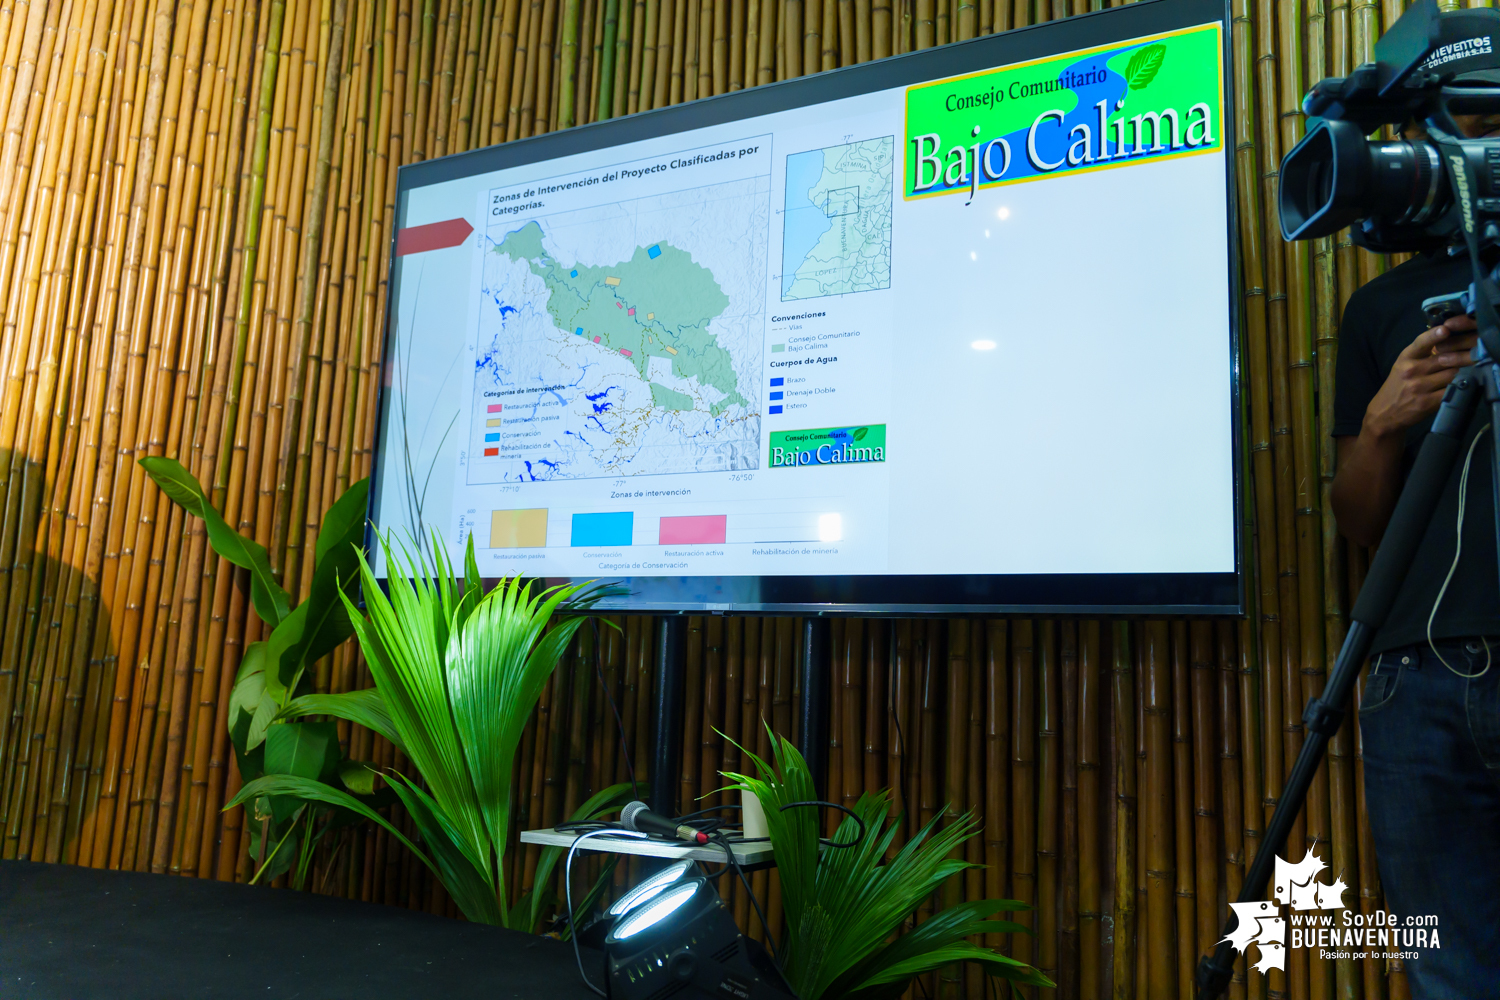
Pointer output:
x,y
1380,321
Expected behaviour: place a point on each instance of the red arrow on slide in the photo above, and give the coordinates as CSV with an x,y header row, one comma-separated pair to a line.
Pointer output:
x,y
433,236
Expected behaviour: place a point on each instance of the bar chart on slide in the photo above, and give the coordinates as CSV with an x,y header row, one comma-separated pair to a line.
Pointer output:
x,y
706,529
539,527
612,528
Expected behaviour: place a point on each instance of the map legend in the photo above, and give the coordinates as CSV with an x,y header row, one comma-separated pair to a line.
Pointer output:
x,y
613,528
702,529
518,529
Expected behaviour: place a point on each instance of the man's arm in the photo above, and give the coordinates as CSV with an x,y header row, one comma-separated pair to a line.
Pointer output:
x,y
1368,480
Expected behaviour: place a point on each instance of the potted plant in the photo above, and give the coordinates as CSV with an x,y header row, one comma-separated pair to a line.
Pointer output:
x,y
846,906
457,674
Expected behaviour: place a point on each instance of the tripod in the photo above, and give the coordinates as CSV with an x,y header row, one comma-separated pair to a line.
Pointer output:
x,y
1398,549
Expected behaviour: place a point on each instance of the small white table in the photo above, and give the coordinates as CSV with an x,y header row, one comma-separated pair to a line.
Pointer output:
x,y
754,854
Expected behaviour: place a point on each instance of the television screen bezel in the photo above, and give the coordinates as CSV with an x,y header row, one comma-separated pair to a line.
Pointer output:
x,y
1174,594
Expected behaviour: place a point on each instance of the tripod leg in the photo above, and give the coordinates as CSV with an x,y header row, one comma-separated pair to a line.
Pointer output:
x,y
1324,715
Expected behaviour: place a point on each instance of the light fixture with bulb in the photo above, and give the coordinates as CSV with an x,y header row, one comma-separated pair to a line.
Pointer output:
x,y
680,939
654,885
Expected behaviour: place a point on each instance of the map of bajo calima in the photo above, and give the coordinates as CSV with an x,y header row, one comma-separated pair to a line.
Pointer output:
x,y
610,369
656,304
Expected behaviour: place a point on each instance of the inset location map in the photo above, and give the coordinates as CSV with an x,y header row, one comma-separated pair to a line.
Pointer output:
x,y
623,338
836,233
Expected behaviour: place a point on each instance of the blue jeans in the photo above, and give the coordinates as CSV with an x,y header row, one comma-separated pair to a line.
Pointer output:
x,y
1432,790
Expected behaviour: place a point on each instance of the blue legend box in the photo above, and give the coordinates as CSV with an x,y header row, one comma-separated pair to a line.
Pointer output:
x,y
775,396
777,381
613,528
775,410
492,437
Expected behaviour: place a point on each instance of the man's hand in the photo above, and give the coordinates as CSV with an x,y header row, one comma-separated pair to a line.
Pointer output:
x,y
1368,480
1419,377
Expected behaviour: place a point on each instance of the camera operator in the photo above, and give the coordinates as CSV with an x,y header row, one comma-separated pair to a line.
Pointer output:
x,y
1430,710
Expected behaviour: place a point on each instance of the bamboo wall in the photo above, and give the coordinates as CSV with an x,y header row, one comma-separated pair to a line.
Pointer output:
x,y
195,209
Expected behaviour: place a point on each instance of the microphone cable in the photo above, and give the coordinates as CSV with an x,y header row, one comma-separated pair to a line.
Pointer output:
x,y
568,892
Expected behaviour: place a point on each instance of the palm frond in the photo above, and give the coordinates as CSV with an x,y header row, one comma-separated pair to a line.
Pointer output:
x,y
411,629
458,674
845,906
456,861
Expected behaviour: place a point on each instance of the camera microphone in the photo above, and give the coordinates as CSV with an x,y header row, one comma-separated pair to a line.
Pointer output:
x,y
639,817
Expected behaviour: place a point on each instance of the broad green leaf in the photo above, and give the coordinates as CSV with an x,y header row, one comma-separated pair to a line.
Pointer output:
x,y
285,843
265,713
249,687
251,761
357,776
306,749
316,791
344,523
365,707
1144,65
337,564
180,486
282,670
860,433
326,619
270,600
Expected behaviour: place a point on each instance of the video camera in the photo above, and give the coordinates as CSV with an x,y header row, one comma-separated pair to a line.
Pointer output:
x,y
1403,194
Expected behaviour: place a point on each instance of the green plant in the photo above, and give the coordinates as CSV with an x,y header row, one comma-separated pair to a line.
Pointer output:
x,y
272,696
845,906
457,673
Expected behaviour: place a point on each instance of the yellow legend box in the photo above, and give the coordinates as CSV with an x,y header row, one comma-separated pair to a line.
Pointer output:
x,y
518,529
492,422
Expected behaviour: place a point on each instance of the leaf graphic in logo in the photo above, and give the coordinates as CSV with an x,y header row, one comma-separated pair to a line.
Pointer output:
x,y
859,435
1144,65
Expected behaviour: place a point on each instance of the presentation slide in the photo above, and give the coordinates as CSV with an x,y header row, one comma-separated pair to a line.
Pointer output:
x,y
976,325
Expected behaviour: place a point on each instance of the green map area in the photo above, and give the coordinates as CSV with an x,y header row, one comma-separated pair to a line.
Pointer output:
x,y
657,304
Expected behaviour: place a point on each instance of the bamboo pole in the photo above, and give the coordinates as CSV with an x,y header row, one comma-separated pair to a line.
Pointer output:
x,y
1048,722
689,790
1157,821
1125,928
1090,827
901,726
1023,779
974,980
955,770
1189,886
712,711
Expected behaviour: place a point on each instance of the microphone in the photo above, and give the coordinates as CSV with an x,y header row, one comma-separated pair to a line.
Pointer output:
x,y
639,817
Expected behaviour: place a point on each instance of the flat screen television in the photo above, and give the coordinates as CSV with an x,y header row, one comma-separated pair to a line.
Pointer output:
x,y
948,332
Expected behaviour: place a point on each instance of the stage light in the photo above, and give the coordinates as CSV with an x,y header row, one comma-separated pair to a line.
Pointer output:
x,y
683,940
653,885
648,915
